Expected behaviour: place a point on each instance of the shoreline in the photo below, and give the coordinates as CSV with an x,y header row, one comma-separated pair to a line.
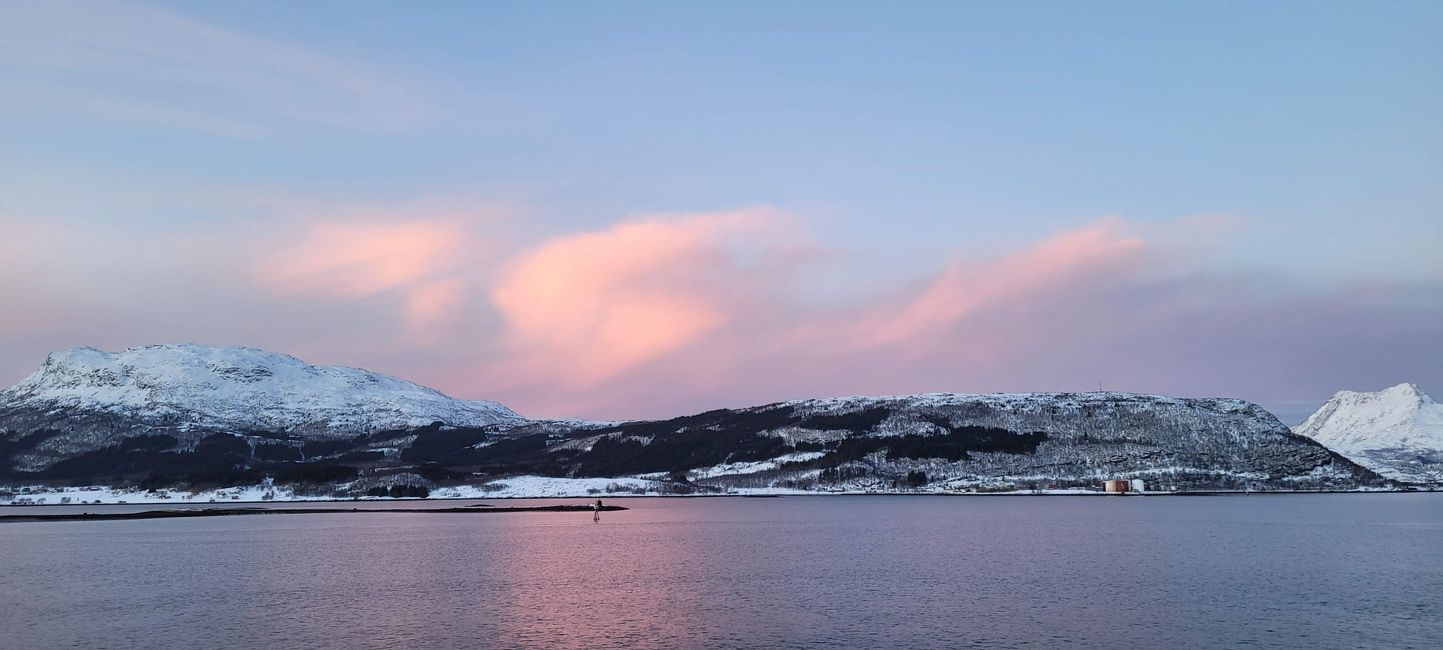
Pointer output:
x,y
230,504
190,513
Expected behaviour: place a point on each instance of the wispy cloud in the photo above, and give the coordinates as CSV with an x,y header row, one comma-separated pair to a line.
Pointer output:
x,y
138,63
601,303
432,306
1132,306
968,286
355,258
423,264
664,314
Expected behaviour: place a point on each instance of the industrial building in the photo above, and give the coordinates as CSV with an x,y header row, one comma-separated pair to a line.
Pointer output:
x,y
1124,486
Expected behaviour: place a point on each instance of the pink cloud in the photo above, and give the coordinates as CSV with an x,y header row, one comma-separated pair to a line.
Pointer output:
x,y
419,267
353,258
968,286
690,308
587,307
430,306
670,314
606,324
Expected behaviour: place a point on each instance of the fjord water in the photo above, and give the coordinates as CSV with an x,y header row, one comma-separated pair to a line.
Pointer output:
x,y
1284,571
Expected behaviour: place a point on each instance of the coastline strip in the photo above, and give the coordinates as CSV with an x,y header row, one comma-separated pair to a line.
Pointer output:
x,y
231,512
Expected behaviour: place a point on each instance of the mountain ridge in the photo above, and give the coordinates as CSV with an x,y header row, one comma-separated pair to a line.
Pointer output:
x,y
202,416
187,390
1396,431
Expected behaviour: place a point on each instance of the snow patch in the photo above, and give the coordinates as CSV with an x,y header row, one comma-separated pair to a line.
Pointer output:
x,y
752,467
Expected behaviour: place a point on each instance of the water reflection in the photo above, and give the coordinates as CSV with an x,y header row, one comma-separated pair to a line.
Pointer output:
x,y
1339,570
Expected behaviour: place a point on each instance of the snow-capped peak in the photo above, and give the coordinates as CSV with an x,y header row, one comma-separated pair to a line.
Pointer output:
x,y
1403,395
196,386
1400,417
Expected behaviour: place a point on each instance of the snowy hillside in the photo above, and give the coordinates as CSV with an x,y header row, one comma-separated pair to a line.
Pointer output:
x,y
1025,440
1397,432
191,388
204,418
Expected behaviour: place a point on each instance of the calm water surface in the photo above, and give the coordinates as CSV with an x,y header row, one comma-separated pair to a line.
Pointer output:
x,y
1295,571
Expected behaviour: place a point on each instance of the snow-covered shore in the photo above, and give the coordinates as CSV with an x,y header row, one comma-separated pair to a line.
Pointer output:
x,y
519,487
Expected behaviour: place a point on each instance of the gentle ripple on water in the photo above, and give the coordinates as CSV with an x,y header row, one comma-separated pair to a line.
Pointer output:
x,y
1295,571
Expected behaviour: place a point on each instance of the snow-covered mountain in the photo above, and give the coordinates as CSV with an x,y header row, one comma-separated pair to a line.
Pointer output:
x,y
1397,432
98,397
207,417
966,441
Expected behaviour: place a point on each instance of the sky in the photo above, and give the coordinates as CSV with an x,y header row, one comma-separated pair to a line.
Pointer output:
x,y
634,209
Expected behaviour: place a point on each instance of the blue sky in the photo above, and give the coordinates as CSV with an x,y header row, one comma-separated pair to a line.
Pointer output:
x,y
902,139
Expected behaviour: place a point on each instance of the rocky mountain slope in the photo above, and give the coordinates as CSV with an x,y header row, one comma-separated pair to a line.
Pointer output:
x,y
960,442
189,416
1397,432
189,391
